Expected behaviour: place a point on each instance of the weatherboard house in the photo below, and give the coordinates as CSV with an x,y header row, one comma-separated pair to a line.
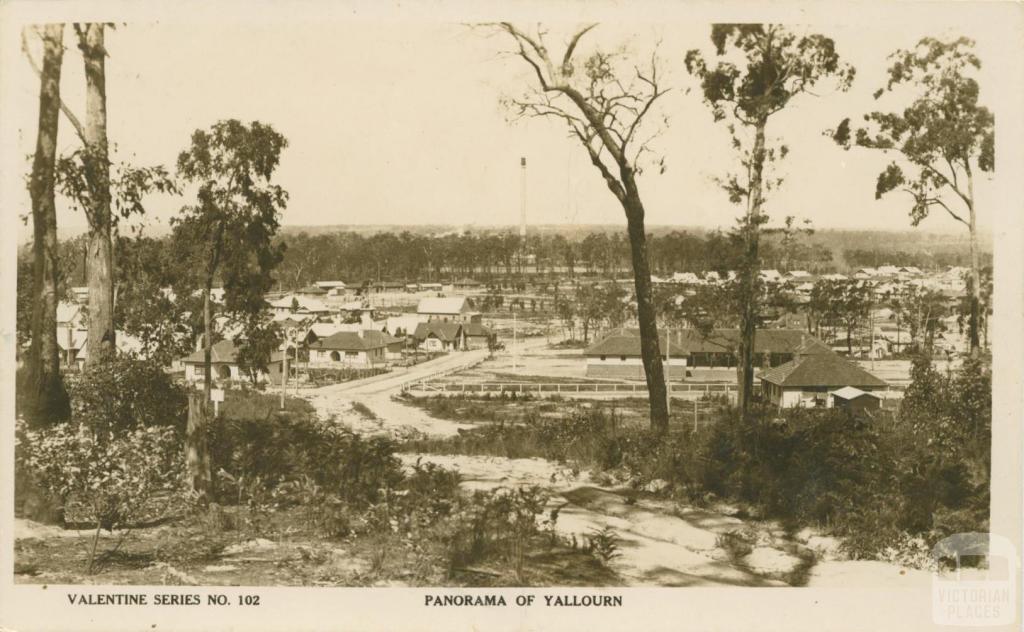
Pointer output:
x,y
361,349
224,365
822,378
617,355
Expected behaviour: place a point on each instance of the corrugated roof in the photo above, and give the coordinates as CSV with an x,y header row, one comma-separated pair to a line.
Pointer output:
x,y
444,331
221,352
849,392
476,329
820,370
224,352
443,305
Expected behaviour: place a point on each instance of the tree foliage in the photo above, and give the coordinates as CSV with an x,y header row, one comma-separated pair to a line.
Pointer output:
x,y
228,233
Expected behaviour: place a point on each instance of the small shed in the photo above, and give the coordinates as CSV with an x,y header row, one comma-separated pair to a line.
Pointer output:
x,y
855,400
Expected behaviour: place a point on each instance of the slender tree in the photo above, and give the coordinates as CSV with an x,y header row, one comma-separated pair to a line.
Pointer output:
x,y
228,234
605,107
761,68
938,143
47,399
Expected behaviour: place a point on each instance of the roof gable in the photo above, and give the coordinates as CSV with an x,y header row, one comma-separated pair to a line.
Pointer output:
x,y
821,370
443,305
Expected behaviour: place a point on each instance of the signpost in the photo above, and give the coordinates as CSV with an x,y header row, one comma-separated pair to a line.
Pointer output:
x,y
216,396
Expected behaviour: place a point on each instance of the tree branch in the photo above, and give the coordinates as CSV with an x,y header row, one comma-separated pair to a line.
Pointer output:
x,y
79,130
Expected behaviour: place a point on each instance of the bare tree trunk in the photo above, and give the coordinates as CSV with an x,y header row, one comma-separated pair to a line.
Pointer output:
x,y
197,456
650,352
48,400
750,300
101,337
973,323
207,345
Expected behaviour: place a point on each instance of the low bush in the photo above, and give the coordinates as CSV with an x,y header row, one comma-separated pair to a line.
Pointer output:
x,y
263,453
124,392
335,376
106,480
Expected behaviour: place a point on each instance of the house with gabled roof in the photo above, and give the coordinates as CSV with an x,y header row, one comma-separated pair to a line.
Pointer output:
x,y
362,349
438,335
224,365
809,378
617,355
457,309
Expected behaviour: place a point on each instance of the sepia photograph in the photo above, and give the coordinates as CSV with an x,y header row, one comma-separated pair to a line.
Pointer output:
x,y
374,299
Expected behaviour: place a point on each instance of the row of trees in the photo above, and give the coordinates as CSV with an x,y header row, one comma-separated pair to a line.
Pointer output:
x,y
608,101
354,257
933,258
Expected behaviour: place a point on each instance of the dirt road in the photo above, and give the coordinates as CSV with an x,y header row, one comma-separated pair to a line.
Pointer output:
x,y
660,542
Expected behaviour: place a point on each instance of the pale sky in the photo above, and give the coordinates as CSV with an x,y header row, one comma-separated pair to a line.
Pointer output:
x,y
399,122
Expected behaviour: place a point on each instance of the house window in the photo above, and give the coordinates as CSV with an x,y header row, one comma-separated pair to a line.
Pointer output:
x,y
603,358
351,354
335,356
622,358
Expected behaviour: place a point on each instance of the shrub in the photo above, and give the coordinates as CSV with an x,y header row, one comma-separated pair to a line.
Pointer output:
x,y
112,481
500,522
281,448
124,392
604,544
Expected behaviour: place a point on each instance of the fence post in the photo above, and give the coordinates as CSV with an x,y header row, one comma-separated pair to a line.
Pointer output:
x,y
695,415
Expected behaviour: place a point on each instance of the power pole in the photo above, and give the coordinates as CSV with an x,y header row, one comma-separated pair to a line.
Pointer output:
x,y
668,370
514,350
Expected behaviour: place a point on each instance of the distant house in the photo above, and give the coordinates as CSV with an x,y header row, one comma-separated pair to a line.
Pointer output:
x,y
887,270
798,274
312,291
299,305
855,400
910,271
834,277
387,287
71,344
351,349
810,378
465,284
330,285
224,364
770,275
477,336
617,355
865,273
436,335
693,349
80,294
457,309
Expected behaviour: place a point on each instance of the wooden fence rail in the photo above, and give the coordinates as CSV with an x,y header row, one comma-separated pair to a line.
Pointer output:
x,y
430,386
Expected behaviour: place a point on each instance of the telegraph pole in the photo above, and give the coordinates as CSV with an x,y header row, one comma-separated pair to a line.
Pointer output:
x,y
668,370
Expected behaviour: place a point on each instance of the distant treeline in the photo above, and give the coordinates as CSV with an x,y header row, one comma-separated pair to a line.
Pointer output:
x,y
410,256
941,258
354,257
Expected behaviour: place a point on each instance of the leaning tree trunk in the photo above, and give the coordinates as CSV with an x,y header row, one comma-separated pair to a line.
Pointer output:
x,y
100,342
48,400
650,351
750,299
